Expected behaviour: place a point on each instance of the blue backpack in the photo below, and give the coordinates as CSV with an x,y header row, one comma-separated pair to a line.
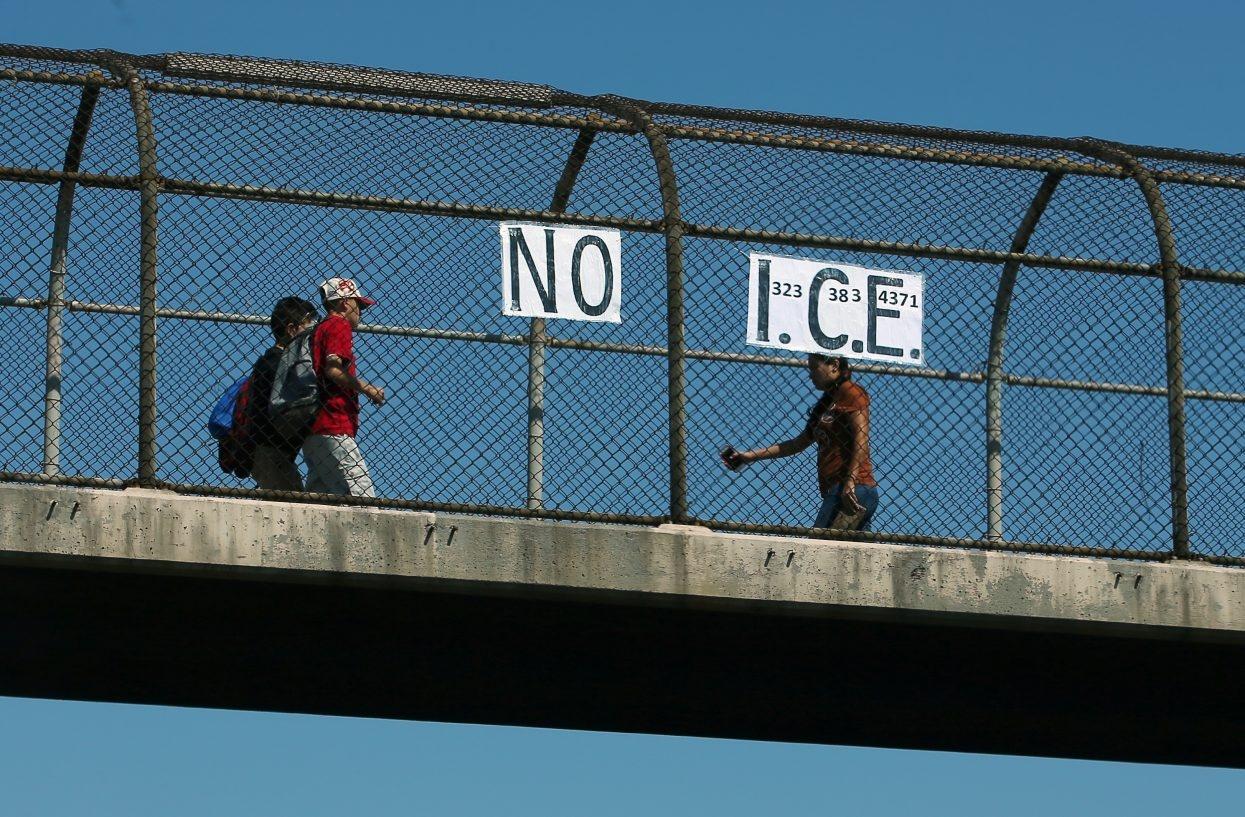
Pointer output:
x,y
221,421
228,423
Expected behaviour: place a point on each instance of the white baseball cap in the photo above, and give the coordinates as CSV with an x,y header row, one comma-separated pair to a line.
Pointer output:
x,y
335,289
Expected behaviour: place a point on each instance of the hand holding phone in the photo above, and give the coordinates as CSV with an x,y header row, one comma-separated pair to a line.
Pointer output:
x,y
732,459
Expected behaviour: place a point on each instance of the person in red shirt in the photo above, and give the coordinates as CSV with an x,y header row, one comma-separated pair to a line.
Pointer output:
x,y
839,424
334,463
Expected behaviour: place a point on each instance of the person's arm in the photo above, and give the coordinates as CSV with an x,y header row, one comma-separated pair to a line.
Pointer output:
x,y
858,421
338,351
772,452
335,372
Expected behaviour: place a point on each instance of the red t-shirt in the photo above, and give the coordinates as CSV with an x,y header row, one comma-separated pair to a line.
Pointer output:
x,y
835,448
339,413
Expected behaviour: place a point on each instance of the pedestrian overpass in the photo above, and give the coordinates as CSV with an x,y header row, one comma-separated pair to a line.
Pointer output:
x,y
1055,565
149,597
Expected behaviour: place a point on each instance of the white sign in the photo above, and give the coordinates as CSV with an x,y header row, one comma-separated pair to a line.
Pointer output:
x,y
837,309
561,272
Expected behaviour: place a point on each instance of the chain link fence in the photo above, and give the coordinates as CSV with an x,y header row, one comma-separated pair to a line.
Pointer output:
x,y
1085,377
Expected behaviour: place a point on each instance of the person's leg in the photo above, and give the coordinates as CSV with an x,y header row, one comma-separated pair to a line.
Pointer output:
x,y
829,507
323,474
275,471
353,469
867,495
335,466
290,478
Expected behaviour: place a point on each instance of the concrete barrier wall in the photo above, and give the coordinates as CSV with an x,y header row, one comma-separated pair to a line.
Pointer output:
x,y
155,531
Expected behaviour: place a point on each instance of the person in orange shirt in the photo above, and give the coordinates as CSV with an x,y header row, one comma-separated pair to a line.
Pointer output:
x,y
839,424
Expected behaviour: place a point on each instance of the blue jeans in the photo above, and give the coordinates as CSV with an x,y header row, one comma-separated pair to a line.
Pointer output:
x,y
866,495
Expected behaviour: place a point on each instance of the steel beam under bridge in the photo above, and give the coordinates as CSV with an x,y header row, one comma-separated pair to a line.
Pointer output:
x,y
148,597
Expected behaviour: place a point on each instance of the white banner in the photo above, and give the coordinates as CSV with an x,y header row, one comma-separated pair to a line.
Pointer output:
x,y
552,271
836,309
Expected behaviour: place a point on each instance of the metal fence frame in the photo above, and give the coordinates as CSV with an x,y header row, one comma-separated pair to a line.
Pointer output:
x,y
614,114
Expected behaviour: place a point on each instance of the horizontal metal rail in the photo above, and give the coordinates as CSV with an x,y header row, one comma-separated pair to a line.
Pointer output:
x,y
890,151
467,112
472,113
163,63
97,80
1198,179
454,210
1224,561
938,155
96,56
355,79
64,479
1236,160
348,201
947,253
883,150
866,368
983,256
1212,276
334,499
639,349
611,125
414,504
40,175
1030,142
436,208
396,205
1121,388
160,62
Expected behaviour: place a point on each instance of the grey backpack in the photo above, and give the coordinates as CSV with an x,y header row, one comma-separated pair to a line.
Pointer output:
x,y
296,395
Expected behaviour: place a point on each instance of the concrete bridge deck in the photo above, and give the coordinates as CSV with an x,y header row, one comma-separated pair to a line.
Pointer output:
x,y
152,597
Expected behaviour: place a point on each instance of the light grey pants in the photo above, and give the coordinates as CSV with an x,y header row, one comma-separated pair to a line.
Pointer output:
x,y
335,466
275,471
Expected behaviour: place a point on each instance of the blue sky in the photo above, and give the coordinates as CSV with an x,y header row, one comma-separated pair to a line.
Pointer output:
x,y
1137,72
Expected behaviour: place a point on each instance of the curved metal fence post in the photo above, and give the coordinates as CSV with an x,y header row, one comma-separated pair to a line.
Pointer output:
x,y
148,192
537,338
994,364
672,227
56,283
1169,265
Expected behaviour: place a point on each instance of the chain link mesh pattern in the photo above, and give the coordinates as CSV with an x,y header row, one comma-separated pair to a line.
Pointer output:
x,y
271,176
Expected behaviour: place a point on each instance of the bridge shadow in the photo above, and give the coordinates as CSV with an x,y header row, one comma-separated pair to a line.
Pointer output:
x,y
405,650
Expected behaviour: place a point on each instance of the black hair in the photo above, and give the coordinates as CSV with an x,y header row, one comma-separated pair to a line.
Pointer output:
x,y
845,366
290,310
